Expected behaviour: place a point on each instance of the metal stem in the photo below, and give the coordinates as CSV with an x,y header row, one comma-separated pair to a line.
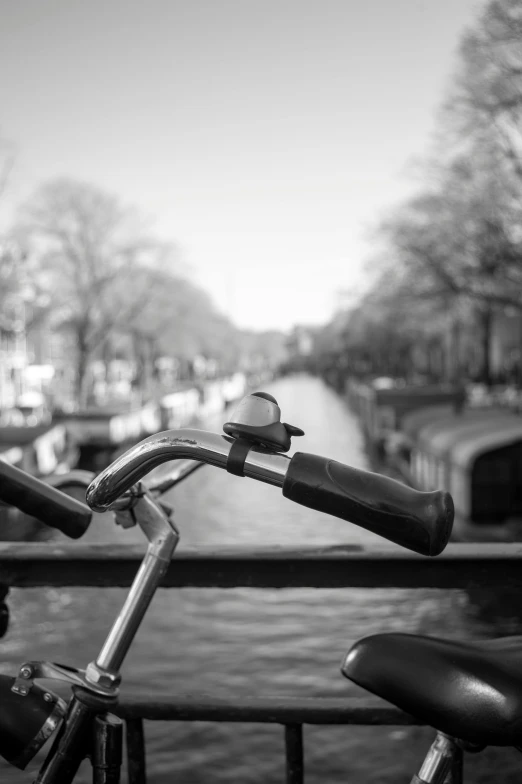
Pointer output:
x,y
438,761
120,637
68,751
163,538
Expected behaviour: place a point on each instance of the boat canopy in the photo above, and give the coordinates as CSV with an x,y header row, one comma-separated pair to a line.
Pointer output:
x,y
440,437
476,456
505,434
413,422
38,449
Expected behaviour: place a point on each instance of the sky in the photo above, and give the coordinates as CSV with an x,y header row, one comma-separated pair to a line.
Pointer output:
x,y
264,137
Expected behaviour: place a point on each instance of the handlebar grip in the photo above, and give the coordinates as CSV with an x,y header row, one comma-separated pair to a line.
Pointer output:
x,y
40,500
418,521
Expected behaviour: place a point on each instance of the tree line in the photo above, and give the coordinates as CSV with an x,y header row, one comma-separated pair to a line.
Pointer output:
x,y
448,266
97,276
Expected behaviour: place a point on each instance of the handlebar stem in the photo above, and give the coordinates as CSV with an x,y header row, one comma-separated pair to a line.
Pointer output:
x,y
163,537
102,676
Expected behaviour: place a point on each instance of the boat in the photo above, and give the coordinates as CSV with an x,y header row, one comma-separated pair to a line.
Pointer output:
x,y
383,403
41,450
100,432
476,455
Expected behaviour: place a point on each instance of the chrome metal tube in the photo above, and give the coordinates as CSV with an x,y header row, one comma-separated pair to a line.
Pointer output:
x,y
438,761
189,443
127,623
163,538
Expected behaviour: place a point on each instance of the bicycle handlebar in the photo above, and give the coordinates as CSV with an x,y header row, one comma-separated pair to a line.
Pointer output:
x,y
418,521
40,500
189,443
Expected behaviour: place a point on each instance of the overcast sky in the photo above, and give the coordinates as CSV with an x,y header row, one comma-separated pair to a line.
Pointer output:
x,y
264,136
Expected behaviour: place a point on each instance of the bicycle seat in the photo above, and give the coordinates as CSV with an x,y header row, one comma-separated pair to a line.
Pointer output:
x,y
469,690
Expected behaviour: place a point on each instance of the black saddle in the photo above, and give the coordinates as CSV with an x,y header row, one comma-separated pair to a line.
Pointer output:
x,y
469,690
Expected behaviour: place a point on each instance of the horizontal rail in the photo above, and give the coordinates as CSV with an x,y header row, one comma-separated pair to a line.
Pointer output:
x,y
290,712
266,710
461,566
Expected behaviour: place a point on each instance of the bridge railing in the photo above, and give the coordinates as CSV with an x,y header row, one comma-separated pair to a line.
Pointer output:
x,y
462,566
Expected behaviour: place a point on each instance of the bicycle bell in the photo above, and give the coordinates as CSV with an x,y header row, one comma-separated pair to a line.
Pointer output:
x,y
257,419
28,717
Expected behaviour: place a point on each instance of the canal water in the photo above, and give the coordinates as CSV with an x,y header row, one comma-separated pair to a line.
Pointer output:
x,y
243,641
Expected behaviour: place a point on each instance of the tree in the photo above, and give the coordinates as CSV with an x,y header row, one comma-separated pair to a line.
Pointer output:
x,y
453,253
486,100
89,245
461,238
178,320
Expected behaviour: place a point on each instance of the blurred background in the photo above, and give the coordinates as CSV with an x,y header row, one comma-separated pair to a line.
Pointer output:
x,y
318,199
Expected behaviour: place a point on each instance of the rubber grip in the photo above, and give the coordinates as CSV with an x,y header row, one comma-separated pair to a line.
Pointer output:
x,y
40,500
418,521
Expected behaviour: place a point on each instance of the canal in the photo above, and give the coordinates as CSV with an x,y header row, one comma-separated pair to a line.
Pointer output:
x,y
242,641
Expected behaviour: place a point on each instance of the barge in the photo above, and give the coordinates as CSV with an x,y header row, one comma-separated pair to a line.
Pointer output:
x,y
382,404
431,439
41,450
103,432
476,455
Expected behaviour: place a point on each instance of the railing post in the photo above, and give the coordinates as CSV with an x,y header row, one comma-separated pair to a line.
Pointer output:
x,y
136,752
294,753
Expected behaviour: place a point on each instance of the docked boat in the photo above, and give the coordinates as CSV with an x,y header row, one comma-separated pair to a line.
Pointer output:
x,y
104,431
41,450
476,455
99,432
383,404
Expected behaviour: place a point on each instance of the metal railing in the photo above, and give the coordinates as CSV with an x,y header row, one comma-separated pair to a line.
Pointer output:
x,y
462,566
290,712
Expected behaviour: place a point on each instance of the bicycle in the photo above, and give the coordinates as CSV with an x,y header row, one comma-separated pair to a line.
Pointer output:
x,y
253,446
